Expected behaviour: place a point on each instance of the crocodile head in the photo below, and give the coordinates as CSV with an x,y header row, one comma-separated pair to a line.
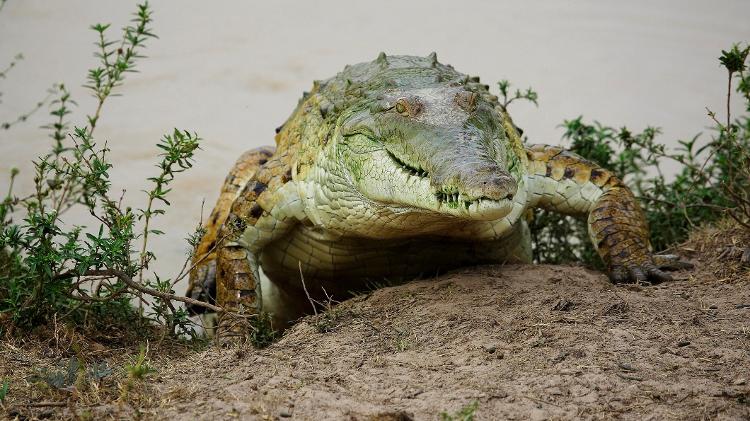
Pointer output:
x,y
431,141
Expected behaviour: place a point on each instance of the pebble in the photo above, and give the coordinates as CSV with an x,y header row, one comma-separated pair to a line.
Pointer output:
x,y
285,414
626,366
683,343
564,305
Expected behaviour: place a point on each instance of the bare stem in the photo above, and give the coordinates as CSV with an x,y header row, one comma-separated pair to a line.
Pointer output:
x,y
127,280
729,96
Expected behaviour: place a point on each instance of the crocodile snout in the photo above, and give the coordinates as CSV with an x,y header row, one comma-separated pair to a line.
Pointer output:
x,y
488,183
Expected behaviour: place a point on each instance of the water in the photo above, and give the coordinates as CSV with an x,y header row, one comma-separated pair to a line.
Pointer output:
x,y
233,71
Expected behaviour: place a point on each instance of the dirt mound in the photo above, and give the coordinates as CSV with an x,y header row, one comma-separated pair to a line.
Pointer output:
x,y
513,342
522,342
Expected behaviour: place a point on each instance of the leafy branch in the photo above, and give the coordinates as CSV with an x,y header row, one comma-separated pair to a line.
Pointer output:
x,y
116,62
528,94
17,58
6,125
179,148
51,270
713,178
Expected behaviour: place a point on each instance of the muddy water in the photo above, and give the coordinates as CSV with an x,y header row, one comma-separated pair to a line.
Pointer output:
x,y
233,70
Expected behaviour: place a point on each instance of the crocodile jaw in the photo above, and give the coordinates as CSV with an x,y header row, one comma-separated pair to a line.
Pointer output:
x,y
390,184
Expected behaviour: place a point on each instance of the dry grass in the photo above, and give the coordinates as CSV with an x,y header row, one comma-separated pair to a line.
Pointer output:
x,y
722,249
58,371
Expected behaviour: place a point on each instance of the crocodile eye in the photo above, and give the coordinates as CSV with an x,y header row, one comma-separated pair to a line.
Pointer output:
x,y
402,106
407,107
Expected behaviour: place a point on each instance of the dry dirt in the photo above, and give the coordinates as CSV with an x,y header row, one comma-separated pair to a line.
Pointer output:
x,y
523,342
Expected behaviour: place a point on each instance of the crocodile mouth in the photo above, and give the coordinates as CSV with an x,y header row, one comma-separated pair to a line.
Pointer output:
x,y
450,198
416,172
453,200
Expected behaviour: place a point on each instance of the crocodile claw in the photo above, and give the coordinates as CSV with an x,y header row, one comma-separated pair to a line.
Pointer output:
x,y
632,273
671,262
651,270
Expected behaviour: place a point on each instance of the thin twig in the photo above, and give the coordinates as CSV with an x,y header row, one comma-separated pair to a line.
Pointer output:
x,y
304,287
127,280
44,404
184,273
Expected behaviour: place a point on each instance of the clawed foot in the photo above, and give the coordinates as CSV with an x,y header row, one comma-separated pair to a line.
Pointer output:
x,y
238,329
232,330
649,270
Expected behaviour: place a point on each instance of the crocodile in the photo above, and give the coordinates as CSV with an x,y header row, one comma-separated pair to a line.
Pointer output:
x,y
394,169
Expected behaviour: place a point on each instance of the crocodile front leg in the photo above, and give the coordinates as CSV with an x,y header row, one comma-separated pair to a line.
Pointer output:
x,y
202,284
564,182
243,222
258,217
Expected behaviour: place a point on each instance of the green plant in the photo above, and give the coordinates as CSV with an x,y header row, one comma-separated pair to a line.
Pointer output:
x,y
528,95
7,125
466,413
4,390
90,274
73,374
262,332
139,366
734,134
403,340
712,181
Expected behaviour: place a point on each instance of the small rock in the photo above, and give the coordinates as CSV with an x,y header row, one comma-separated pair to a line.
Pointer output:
x,y
500,355
285,414
617,309
560,357
683,343
577,353
740,382
555,391
713,307
564,305
626,366
393,416
490,348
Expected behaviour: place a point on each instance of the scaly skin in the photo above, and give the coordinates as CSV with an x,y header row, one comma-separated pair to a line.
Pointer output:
x,y
617,226
390,170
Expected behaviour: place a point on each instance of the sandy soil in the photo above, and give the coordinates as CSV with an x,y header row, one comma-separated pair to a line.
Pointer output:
x,y
517,341
524,342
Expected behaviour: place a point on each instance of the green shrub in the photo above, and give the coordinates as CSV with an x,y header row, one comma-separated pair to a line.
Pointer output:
x,y
4,390
90,274
712,180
